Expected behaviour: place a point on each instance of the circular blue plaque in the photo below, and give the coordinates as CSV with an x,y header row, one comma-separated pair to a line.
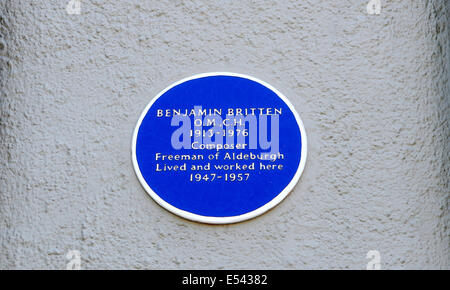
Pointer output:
x,y
219,147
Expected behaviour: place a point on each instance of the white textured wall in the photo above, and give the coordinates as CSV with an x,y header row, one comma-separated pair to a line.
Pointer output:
x,y
372,91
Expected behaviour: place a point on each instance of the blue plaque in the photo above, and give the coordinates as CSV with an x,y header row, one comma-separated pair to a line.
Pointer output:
x,y
219,147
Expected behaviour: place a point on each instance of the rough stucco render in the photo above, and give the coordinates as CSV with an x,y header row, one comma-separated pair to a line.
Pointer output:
x,y
372,91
